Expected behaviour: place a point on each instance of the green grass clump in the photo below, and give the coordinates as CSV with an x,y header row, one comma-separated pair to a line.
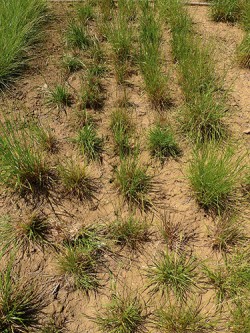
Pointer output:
x,y
226,10
130,232
77,36
149,58
173,273
243,51
230,279
44,137
202,118
179,318
22,165
59,96
122,128
162,143
213,175
239,317
31,231
82,259
76,180
85,13
89,142
124,314
17,38
21,303
72,63
134,182
92,90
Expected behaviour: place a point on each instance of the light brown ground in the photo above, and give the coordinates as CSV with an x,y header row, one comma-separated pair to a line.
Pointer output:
x,y
67,215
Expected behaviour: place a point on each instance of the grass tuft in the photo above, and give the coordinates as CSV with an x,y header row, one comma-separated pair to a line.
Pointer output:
x,y
184,318
213,175
162,143
59,96
134,182
23,167
130,232
21,303
17,38
173,273
89,142
226,10
122,128
123,314
72,63
76,180
82,259
77,36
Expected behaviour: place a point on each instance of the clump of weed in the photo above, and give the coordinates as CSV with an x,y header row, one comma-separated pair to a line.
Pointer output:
x,y
21,303
227,233
213,175
162,143
124,314
89,142
76,180
176,233
134,182
129,231
72,63
173,273
92,91
82,259
59,96
226,10
230,279
23,167
122,128
77,36
31,231
183,318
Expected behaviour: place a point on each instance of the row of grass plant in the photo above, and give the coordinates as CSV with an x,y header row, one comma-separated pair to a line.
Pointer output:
x,y
150,55
21,23
243,51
